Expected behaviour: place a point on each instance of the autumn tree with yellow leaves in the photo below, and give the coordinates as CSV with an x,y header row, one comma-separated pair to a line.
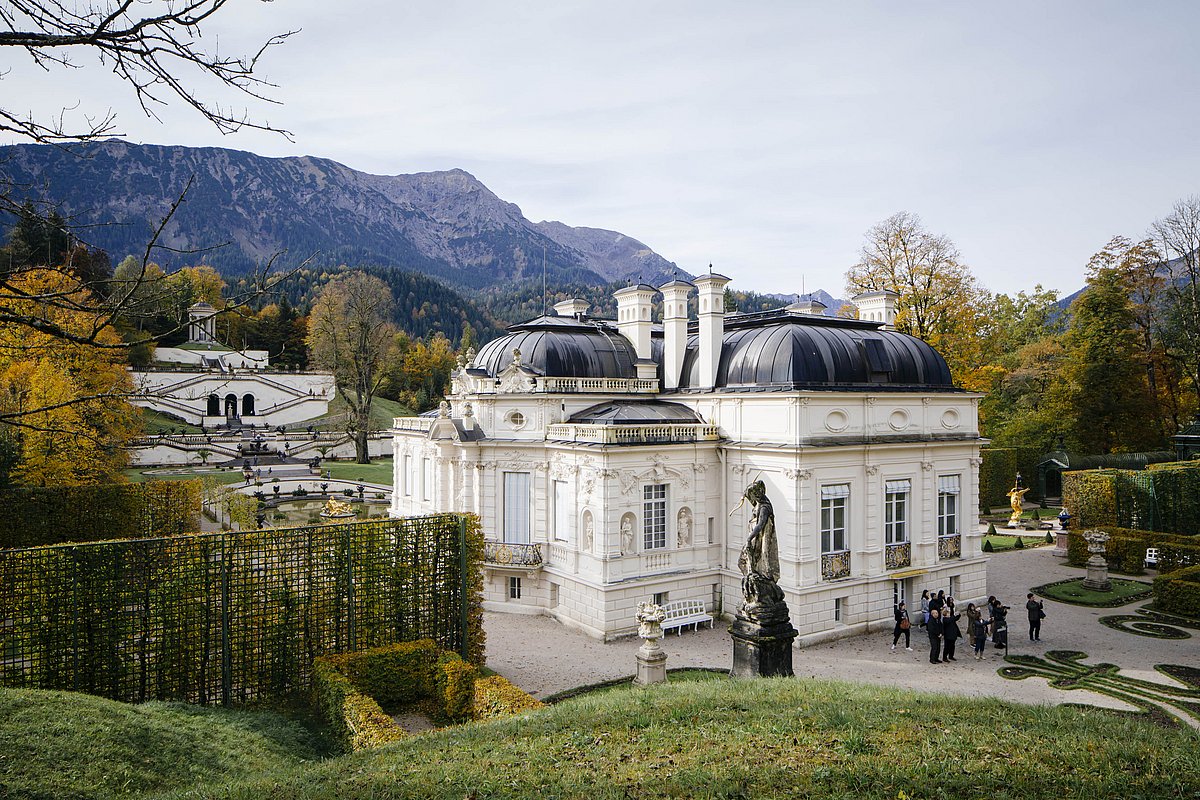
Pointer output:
x,y
64,418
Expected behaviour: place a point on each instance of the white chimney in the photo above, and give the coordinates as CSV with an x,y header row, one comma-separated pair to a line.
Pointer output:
x,y
711,291
675,321
634,306
878,306
571,308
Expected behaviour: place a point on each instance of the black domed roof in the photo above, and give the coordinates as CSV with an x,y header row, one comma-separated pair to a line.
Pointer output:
x,y
562,347
782,350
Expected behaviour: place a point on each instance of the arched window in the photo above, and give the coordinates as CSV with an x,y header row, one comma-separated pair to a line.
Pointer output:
x,y
248,405
231,405
214,406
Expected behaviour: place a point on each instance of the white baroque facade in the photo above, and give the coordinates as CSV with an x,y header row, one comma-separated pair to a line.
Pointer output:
x,y
206,383
606,460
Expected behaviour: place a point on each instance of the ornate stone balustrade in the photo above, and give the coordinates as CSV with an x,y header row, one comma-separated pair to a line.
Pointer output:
x,y
632,434
897,556
420,424
949,547
835,565
507,554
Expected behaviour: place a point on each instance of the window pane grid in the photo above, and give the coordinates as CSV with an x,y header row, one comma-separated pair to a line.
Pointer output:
x,y
654,516
833,518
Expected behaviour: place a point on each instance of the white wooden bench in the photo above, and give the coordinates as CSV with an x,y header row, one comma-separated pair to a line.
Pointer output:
x,y
681,613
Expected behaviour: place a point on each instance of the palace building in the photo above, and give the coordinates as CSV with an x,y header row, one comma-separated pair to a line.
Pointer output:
x,y
606,460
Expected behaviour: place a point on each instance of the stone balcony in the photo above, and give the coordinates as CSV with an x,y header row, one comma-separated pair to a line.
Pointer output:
x,y
632,434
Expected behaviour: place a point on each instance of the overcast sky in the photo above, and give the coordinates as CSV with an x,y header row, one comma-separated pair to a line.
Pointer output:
x,y
765,138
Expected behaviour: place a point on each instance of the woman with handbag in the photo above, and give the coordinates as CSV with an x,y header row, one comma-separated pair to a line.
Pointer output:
x,y
903,625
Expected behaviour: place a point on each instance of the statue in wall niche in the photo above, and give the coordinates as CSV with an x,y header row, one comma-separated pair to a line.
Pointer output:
x,y
589,532
759,561
684,527
627,535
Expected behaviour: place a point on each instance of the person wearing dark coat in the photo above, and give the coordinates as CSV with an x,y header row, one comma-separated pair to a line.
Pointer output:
x,y
903,624
938,602
934,629
950,634
999,625
1036,613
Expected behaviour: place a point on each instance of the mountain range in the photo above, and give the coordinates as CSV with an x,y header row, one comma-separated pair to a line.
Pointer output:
x,y
250,208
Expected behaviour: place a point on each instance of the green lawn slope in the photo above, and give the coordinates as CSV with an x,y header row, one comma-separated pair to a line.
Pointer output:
x,y
691,739
62,744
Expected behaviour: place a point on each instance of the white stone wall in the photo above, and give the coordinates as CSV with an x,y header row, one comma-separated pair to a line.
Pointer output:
x,y
280,398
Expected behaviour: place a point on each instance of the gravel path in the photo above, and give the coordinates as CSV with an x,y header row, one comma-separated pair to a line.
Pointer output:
x,y
543,657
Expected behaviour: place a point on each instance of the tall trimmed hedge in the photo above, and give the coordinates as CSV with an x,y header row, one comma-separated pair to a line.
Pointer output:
x,y
33,517
233,617
998,471
1164,497
1179,592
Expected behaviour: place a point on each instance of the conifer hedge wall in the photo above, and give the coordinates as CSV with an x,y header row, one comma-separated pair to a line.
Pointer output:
x,y
1165,498
1179,592
998,471
234,617
31,517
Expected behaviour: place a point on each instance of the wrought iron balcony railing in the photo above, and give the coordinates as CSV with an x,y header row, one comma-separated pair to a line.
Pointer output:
x,y
950,546
512,554
897,556
835,565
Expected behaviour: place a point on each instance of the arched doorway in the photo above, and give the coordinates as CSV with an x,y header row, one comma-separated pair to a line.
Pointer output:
x,y
231,406
214,406
248,405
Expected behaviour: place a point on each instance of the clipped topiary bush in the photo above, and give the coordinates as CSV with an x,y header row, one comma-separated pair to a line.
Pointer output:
x,y
495,696
1179,592
1049,537
1019,544
351,690
991,531
987,546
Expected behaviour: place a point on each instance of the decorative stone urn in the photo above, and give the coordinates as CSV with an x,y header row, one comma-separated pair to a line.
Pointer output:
x,y
1097,566
651,660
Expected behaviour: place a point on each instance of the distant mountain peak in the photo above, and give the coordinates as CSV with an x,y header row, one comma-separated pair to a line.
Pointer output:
x,y
444,223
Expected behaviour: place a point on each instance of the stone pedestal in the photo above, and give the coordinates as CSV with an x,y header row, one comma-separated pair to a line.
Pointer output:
x,y
1097,575
762,641
651,663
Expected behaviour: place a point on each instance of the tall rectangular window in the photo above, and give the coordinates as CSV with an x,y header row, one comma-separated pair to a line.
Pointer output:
x,y
833,517
562,512
408,482
516,507
654,516
427,480
948,491
895,512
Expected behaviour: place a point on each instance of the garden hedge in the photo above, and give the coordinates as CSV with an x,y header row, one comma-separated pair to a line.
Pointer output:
x,y
1179,592
36,516
496,697
353,689
1164,497
999,469
1126,549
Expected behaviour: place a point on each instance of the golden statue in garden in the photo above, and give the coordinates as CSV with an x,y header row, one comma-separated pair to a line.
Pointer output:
x,y
1016,496
336,508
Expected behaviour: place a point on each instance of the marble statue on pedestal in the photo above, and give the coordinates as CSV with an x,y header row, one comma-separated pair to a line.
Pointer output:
x,y
762,630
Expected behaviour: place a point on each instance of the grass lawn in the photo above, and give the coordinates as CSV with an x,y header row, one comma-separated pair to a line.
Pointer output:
x,y
61,744
154,422
1073,591
378,471
382,411
703,738
1001,542
143,474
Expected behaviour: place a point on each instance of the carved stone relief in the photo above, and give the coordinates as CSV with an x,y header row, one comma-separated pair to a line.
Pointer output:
x,y
683,527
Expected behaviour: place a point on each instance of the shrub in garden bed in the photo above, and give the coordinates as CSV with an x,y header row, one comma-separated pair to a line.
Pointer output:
x,y
1126,549
1178,592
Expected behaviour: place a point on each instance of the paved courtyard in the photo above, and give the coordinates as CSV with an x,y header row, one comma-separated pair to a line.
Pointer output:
x,y
543,657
